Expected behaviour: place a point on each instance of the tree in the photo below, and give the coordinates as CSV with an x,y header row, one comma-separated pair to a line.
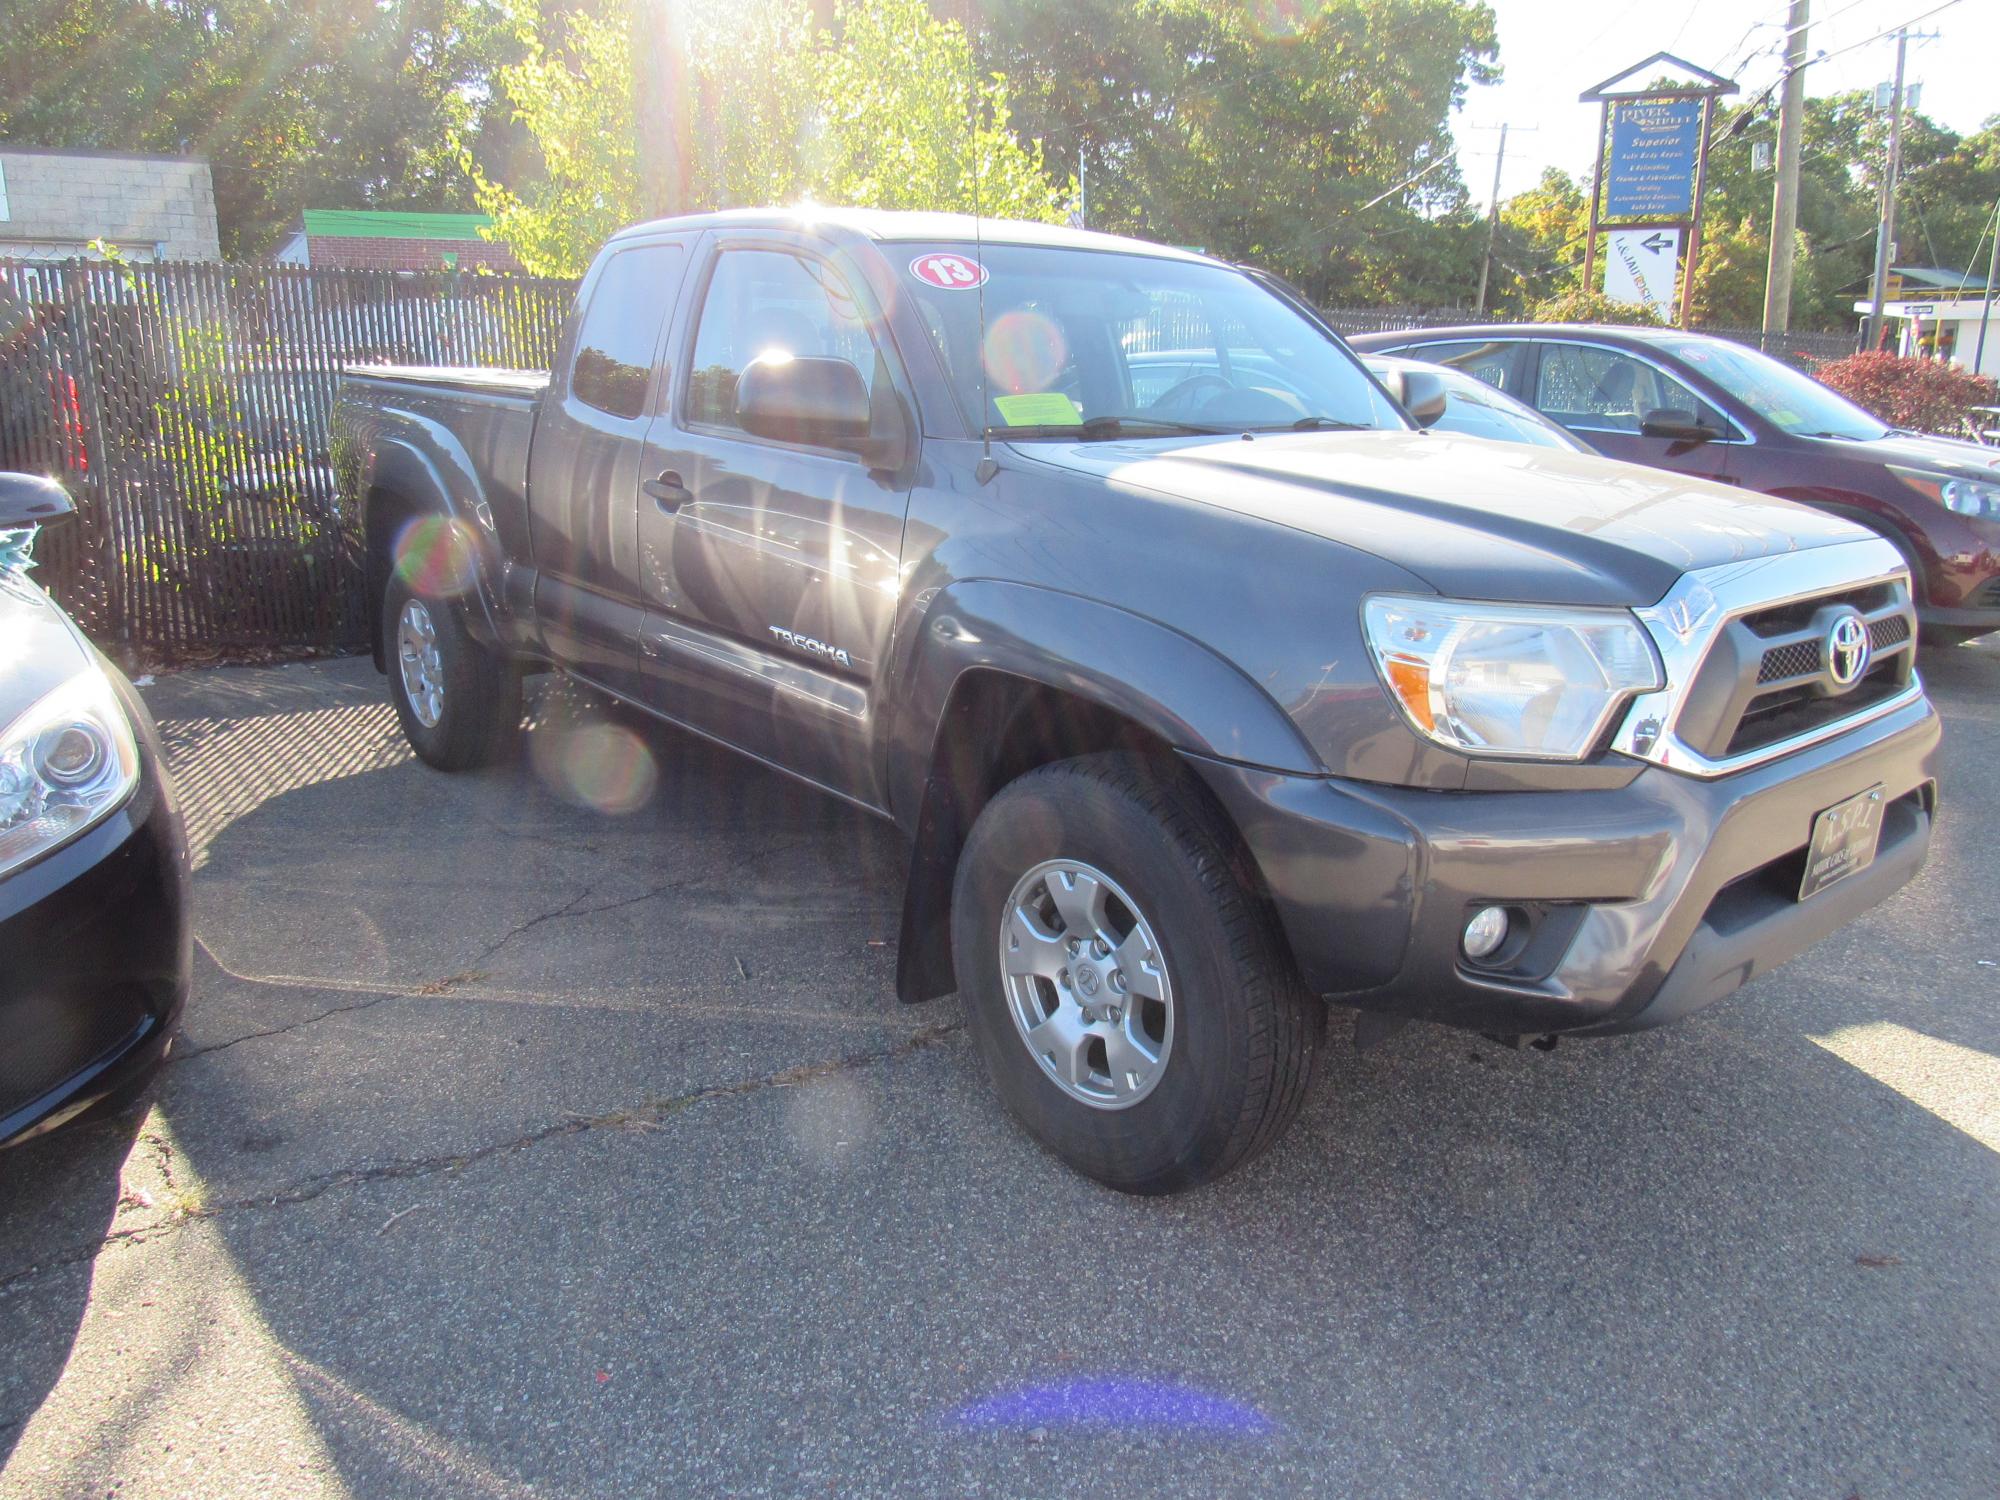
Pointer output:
x,y
885,110
1261,132
296,103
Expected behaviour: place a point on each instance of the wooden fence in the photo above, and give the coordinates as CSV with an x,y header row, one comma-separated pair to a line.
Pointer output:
x,y
187,408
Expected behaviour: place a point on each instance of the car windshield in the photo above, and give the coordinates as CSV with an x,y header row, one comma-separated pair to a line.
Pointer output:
x,y
1092,344
1785,397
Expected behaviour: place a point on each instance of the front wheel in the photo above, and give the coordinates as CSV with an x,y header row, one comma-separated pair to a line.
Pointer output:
x,y
1132,999
459,703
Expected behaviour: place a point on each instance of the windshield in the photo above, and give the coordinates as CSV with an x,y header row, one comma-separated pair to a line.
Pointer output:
x,y
1095,344
1781,395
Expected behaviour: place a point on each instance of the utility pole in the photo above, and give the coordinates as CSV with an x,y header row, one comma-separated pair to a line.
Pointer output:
x,y
1986,310
661,116
1492,222
1785,196
1885,235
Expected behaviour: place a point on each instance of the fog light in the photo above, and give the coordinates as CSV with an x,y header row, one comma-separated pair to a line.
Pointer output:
x,y
1485,932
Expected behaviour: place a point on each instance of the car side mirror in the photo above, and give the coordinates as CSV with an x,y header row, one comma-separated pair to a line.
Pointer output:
x,y
30,500
1420,393
817,401
1677,426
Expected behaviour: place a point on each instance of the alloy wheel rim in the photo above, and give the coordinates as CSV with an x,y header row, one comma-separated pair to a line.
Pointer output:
x,y
1086,984
423,669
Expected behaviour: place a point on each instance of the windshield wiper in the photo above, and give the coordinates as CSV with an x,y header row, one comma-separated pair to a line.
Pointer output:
x,y
1098,429
1317,424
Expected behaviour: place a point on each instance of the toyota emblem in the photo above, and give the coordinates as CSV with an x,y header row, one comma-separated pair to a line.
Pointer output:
x,y
1847,650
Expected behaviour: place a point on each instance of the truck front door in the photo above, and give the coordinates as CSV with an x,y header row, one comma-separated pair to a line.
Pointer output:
x,y
770,570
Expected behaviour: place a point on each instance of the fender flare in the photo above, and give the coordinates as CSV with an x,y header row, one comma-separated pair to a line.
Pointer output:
x,y
437,475
1155,677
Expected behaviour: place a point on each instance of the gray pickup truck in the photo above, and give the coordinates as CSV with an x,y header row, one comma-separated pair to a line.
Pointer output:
x,y
1210,688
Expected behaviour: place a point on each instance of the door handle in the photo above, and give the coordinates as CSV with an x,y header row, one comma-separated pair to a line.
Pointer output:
x,y
667,490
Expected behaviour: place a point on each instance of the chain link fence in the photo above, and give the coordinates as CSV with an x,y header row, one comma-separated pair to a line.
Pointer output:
x,y
187,409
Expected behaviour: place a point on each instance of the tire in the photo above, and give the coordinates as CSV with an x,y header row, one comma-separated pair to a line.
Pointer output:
x,y
477,702
1238,1035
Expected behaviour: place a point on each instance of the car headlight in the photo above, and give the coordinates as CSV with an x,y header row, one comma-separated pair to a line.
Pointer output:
x,y
64,764
1965,497
1509,679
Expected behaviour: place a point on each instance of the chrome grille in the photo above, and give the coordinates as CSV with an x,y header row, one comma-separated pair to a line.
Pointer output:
x,y
1745,649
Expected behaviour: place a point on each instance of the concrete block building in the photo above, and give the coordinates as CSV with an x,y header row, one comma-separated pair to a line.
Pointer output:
x,y
54,203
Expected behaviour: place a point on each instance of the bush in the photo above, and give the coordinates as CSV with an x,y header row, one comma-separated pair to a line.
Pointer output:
x,y
1924,395
1590,307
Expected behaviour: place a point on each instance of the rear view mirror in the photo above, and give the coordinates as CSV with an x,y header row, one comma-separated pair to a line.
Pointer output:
x,y
821,402
1420,392
1677,426
30,500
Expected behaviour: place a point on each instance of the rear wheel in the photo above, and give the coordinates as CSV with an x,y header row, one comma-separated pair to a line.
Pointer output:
x,y
1132,999
459,703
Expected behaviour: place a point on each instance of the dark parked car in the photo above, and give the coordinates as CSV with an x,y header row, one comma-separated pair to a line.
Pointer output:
x,y
94,938
1476,409
1206,686
1717,410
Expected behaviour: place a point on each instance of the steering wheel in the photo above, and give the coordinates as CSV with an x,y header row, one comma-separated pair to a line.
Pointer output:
x,y
1180,390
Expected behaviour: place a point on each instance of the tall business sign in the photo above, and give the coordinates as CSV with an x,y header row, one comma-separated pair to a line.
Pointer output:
x,y
1646,197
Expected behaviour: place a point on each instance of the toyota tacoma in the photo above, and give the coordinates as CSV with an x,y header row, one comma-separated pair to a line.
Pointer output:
x,y
1211,689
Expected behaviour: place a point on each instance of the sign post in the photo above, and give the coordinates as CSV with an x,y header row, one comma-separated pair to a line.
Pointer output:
x,y
1652,175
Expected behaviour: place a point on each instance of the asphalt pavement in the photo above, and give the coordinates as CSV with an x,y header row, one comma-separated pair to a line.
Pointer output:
x,y
555,1131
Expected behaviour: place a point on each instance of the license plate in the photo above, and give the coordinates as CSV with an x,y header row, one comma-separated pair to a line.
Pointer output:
x,y
1843,841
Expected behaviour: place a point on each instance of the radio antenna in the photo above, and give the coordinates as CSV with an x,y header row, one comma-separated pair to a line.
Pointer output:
x,y
987,467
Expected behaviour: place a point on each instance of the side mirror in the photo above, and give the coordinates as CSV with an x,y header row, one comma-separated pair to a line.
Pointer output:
x,y
1420,392
30,500
1676,426
822,402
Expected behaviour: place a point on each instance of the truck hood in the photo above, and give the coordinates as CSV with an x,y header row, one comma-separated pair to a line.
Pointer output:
x,y
39,650
1473,518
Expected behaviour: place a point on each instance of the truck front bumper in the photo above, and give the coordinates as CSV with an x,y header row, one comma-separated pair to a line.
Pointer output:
x,y
1639,904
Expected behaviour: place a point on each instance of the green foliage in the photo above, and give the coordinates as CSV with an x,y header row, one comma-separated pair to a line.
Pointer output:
x,y
296,103
1260,131
878,113
1577,306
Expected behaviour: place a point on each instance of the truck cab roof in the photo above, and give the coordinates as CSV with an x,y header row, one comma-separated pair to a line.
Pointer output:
x,y
892,227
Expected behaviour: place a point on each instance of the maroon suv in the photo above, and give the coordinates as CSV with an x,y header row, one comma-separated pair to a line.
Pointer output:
x,y
1715,409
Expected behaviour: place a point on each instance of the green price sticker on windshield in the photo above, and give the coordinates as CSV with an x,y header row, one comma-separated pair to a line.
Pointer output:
x,y
1039,409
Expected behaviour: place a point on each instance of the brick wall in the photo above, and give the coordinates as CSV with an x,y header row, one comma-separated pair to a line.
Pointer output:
x,y
385,253
58,201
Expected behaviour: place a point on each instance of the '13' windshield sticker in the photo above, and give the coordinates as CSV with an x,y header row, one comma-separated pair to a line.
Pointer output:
x,y
951,273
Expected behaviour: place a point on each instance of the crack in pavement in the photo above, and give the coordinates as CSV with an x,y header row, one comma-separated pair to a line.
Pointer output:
x,y
647,1115
570,908
429,989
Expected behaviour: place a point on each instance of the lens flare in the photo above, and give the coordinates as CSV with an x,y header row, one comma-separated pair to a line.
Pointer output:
x,y
1279,20
437,556
1111,1401
599,765
1023,352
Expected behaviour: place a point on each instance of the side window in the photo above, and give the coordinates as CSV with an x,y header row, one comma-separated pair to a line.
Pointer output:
x,y
761,300
1601,389
621,328
1498,364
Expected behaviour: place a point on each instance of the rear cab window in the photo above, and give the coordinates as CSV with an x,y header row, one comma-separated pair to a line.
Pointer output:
x,y
620,332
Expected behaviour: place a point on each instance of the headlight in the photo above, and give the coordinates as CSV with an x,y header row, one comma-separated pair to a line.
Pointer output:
x,y
65,763
1966,497
1509,679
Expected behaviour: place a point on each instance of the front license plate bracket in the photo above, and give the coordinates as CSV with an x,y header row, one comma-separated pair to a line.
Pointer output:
x,y
1843,842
